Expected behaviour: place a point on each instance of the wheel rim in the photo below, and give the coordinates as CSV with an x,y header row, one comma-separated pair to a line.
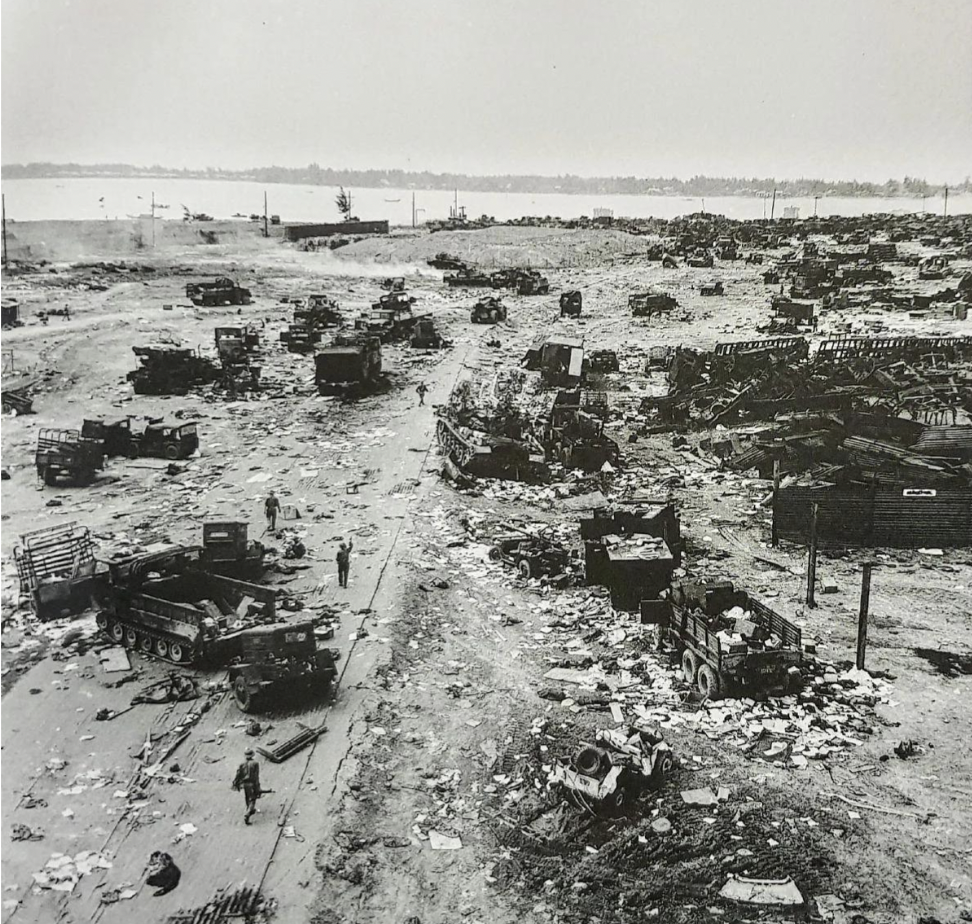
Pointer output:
x,y
172,453
117,632
162,648
101,620
145,643
524,569
131,637
175,651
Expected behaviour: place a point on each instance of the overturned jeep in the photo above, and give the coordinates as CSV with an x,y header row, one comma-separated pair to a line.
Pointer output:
x,y
622,764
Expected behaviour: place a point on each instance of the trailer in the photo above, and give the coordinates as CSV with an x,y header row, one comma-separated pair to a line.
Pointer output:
x,y
57,569
730,643
66,454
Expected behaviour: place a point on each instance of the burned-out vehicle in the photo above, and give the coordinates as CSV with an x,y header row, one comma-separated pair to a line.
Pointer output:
x,y
158,439
601,362
350,365
467,277
445,261
215,292
712,288
646,304
633,552
170,371
390,318
531,282
570,304
728,642
489,310
228,550
425,336
167,604
66,455
622,765
532,555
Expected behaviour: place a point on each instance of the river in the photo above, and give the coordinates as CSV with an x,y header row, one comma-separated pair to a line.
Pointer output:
x,y
93,198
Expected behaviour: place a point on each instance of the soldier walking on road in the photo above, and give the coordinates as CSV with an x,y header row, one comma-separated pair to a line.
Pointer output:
x,y
344,562
248,779
271,507
421,391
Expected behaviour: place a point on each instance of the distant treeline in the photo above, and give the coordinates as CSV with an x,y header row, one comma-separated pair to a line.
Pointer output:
x,y
315,175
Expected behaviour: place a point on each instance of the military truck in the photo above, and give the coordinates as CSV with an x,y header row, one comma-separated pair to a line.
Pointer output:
x,y
425,336
228,550
646,304
390,317
158,440
489,310
169,371
67,455
729,642
531,282
282,658
215,292
351,364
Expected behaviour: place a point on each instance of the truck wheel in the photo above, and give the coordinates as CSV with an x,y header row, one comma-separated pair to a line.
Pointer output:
x,y
162,648
495,553
241,693
131,637
170,451
663,767
523,566
708,681
690,666
117,632
177,652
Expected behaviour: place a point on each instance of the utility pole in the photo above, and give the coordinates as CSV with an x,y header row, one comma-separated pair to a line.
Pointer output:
x,y
153,219
4,205
815,198
773,208
812,560
862,618
945,214
266,230
413,208
776,492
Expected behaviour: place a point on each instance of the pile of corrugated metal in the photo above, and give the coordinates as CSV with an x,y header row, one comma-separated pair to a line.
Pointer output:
x,y
929,378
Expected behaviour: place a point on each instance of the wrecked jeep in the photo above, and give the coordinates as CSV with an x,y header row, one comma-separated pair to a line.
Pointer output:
x,y
532,556
620,766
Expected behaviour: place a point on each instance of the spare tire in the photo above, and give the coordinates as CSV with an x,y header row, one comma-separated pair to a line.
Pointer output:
x,y
590,761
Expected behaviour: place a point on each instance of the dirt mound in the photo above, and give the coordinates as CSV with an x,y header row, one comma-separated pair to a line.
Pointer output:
x,y
500,246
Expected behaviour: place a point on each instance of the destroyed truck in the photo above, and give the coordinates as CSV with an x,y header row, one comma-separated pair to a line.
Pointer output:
x,y
215,292
646,304
729,642
349,366
66,454
164,603
169,371
532,555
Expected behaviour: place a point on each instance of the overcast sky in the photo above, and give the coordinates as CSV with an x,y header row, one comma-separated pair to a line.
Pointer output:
x,y
838,89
